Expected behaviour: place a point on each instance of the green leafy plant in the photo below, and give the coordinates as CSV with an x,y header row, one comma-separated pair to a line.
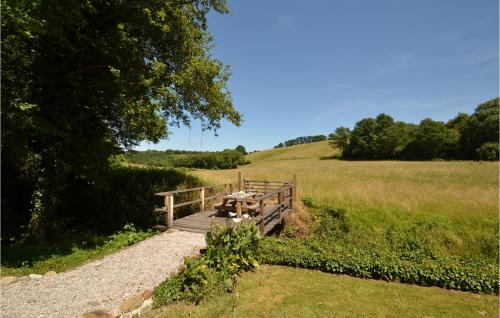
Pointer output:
x,y
230,251
413,268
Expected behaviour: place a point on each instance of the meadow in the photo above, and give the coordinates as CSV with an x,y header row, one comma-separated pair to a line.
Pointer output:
x,y
447,207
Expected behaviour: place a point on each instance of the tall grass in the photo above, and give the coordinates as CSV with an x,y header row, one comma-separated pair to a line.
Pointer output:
x,y
450,206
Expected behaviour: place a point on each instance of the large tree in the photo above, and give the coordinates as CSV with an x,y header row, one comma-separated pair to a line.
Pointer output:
x,y
83,79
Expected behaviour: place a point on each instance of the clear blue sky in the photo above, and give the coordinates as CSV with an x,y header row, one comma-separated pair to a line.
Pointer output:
x,y
306,67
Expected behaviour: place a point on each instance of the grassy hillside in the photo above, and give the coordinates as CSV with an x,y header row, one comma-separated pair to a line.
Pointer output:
x,y
450,208
307,151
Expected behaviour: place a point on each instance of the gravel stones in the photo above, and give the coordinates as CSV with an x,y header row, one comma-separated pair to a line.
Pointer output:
x,y
7,280
108,282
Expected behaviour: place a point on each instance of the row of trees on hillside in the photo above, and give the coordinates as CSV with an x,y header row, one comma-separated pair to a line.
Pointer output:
x,y
227,159
470,137
301,140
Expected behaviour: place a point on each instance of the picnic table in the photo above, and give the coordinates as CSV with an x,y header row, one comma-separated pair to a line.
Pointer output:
x,y
236,201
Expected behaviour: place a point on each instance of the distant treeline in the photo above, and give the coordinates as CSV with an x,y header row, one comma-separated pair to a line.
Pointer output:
x,y
227,159
301,140
469,137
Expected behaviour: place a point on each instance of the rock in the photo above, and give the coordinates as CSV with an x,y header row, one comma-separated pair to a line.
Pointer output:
x,y
171,231
35,276
146,307
50,273
96,314
160,228
131,303
147,294
7,280
115,313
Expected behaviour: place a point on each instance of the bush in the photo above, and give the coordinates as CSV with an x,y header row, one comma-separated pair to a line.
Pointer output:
x,y
120,195
227,159
461,274
488,151
229,251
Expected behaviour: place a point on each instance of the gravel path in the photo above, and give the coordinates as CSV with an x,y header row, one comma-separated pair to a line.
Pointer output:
x,y
102,284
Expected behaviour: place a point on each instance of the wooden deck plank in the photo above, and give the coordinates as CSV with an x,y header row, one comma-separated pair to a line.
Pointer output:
x,y
202,221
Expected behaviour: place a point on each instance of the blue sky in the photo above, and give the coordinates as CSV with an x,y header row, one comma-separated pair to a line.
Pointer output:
x,y
306,67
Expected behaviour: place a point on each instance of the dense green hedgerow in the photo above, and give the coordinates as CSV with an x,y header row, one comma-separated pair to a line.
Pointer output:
x,y
461,274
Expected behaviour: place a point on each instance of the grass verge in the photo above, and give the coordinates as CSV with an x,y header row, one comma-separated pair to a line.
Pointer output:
x,y
275,291
68,253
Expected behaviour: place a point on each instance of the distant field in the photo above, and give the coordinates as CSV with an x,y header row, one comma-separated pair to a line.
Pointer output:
x,y
274,291
453,206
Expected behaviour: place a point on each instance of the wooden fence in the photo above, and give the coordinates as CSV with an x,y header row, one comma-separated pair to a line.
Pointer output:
x,y
272,199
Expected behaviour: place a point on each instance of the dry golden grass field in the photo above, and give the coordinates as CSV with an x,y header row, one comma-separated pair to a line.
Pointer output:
x,y
451,205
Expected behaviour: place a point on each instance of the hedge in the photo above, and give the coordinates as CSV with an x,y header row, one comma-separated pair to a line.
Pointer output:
x,y
460,274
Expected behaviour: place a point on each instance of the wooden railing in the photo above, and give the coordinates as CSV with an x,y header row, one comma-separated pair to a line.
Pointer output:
x,y
169,205
283,195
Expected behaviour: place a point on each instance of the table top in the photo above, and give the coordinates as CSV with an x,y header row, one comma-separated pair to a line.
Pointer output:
x,y
237,195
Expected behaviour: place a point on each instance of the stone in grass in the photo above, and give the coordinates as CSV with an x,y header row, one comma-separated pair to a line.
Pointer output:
x,y
50,273
160,228
115,313
35,276
97,314
131,303
7,280
146,307
147,294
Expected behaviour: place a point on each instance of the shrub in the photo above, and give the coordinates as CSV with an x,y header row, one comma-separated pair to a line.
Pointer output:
x,y
229,251
461,274
488,151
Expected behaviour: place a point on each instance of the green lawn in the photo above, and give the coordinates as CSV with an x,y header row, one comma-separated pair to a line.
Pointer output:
x,y
275,291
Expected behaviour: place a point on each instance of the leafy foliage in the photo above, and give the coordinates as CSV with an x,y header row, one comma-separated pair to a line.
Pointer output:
x,y
227,159
463,137
229,251
461,274
83,81
120,195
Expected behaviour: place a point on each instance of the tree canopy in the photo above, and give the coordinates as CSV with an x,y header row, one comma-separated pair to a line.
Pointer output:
x,y
463,137
83,80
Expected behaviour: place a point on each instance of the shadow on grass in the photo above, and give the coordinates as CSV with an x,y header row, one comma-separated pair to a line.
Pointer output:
x,y
26,255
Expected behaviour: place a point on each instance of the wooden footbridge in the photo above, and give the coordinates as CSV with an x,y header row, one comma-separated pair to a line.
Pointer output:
x,y
264,202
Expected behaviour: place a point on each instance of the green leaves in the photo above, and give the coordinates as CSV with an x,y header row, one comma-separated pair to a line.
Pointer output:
x,y
461,274
462,137
229,251
99,77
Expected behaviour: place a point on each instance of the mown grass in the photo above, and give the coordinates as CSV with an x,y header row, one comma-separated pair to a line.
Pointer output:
x,y
72,251
274,291
450,206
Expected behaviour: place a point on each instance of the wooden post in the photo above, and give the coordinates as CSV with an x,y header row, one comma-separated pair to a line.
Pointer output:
x,y
231,187
238,209
290,198
266,187
170,210
280,202
202,196
240,181
261,212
